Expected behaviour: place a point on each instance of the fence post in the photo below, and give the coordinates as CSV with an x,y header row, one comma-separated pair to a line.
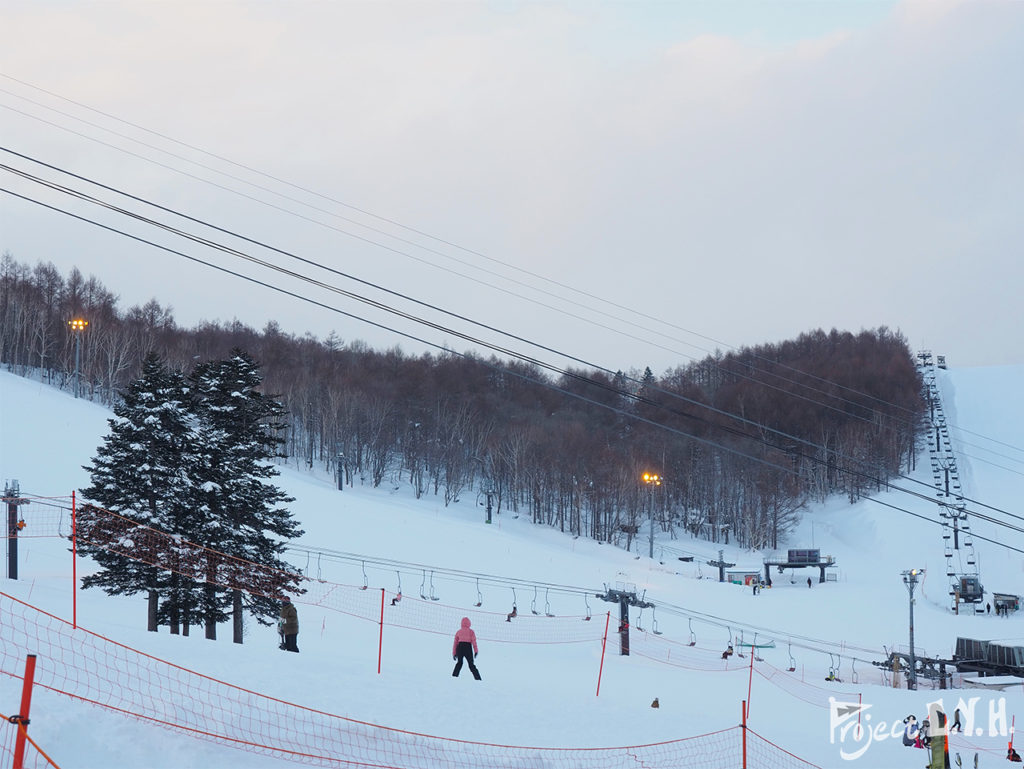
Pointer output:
x,y
22,718
380,642
604,642
74,562
743,728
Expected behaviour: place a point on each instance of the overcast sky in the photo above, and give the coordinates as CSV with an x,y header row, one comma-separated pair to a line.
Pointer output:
x,y
630,183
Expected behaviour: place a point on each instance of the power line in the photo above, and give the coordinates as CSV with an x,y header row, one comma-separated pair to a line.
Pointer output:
x,y
424,234
492,329
540,364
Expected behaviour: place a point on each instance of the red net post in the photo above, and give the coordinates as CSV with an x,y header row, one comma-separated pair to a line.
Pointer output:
x,y
380,642
604,643
743,727
22,717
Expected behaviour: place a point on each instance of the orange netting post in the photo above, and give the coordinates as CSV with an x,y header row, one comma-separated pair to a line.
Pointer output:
x,y
74,564
604,642
380,642
743,729
22,717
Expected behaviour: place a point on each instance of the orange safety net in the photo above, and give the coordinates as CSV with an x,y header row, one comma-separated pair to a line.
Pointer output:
x,y
93,669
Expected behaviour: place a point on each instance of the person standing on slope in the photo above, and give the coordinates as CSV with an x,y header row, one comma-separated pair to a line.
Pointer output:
x,y
464,648
289,624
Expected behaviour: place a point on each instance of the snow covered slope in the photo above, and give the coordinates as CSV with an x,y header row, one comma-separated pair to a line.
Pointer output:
x,y
543,694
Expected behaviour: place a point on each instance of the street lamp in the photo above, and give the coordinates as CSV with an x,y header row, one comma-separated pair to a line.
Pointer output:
x,y
77,327
910,580
652,480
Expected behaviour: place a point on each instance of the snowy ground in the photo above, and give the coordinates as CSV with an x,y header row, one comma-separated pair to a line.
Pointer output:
x,y
544,694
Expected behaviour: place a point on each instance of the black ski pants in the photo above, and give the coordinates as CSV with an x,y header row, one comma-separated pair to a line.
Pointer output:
x,y
464,651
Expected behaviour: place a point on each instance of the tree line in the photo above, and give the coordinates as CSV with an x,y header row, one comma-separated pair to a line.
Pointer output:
x,y
744,439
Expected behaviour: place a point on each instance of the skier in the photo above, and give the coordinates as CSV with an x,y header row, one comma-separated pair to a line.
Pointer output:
x,y
727,653
512,614
808,582
396,599
1012,755
289,624
464,648
910,733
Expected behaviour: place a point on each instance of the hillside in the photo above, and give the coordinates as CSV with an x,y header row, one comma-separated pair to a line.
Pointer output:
x,y
536,692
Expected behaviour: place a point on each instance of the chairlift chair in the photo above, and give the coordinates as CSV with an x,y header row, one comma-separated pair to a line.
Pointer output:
x,y
433,597
533,603
587,604
654,623
792,662
639,620
479,597
547,605
365,583
423,587
693,636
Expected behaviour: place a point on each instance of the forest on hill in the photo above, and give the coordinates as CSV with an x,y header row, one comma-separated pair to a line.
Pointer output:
x,y
741,440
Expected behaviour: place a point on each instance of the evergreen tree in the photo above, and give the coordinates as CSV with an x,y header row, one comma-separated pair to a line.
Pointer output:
x,y
243,512
141,472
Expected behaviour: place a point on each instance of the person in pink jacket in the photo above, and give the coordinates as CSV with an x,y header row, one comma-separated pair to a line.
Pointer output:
x,y
464,648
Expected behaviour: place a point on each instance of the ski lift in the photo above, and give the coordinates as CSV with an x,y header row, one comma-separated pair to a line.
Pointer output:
x,y
753,649
398,595
654,623
693,636
833,668
433,597
479,597
365,584
533,603
547,606
792,662
423,587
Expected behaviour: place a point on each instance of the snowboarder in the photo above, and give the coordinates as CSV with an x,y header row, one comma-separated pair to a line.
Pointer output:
x,y
727,653
396,599
808,582
288,625
1012,755
655,704
957,726
512,614
464,648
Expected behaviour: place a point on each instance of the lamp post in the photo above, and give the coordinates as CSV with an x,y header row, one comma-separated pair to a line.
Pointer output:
x,y
910,580
77,327
652,480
